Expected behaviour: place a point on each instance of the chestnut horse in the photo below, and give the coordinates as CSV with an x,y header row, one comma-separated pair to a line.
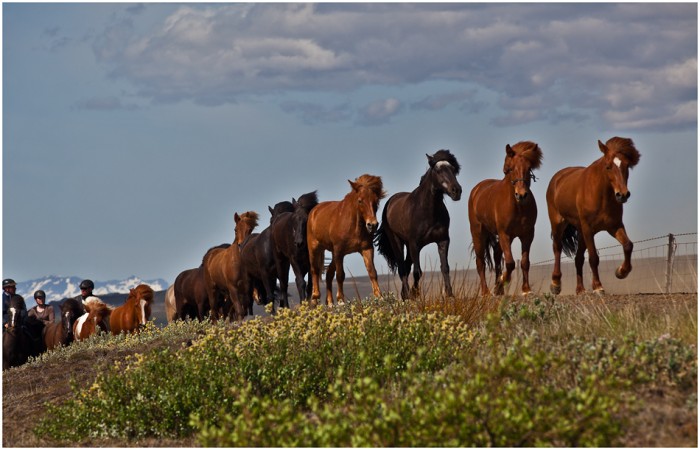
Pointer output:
x,y
134,313
96,318
416,219
502,210
257,256
61,333
290,247
585,200
22,335
343,227
223,271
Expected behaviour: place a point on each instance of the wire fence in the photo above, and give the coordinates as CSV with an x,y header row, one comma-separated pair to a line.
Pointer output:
x,y
662,264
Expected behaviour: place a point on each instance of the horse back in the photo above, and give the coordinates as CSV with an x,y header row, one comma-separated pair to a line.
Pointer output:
x,y
563,193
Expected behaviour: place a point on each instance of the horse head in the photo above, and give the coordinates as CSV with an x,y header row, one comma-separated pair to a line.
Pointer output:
x,y
444,169
15,312
368,191
620,155
300,217
142,298
280,208
245,224
521,160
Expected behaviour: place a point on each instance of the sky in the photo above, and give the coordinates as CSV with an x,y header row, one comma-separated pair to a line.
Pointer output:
x,y
132,133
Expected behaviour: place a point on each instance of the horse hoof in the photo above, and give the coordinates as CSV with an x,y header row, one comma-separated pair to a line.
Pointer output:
x,y
526,293
620,274
599,292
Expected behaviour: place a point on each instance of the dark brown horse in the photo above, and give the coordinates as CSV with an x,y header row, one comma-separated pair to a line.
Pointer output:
x,y
61,333
95,319
21,338
223,271
133,315
502,210
415,219
258,258
585,200
343,227
290,247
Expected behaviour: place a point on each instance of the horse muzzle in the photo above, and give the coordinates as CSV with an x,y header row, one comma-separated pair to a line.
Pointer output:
x,y
622,198
522,198
372,227
455,193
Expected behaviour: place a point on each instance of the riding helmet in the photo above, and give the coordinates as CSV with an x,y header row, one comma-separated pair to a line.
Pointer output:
x,y
7,282
40,294
87,284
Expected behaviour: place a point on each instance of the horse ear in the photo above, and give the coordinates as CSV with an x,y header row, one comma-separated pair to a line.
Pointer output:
x,y
602,147
294,202
236,217
509,151
270,209
431,161
353,185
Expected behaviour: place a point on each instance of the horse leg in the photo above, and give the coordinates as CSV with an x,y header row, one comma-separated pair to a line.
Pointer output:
x,y
593,259
578,262
443,248
526,242
505,242
480,249
414,254
302,287
557,247
403,264
498,269
213,306
330,273
282,266
268,281
368,256
621,235
316,267
339,278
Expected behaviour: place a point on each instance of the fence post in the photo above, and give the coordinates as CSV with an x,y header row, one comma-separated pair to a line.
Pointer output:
x,y
669,262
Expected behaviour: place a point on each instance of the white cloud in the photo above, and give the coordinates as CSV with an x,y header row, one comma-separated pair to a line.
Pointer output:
x,y
594,58
380,111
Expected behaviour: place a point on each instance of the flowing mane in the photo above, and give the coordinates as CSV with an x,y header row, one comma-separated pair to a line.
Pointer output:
x,y
530,151
447,156
373,183
94,304
251,217
626,148
307,202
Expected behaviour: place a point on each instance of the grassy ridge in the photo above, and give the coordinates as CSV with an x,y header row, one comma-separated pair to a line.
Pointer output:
x,y
381,372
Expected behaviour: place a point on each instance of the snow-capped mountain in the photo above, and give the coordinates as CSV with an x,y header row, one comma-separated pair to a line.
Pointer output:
x,y
58,288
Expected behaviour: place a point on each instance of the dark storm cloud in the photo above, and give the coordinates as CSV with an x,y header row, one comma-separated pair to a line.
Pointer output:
x,y
631,66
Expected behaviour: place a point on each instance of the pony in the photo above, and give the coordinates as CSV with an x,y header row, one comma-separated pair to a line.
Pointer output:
x,y
21,338
581,201
343,227
61,333
223,271
170,306
290,246
415,219
258,259
96,318
134,313
502,210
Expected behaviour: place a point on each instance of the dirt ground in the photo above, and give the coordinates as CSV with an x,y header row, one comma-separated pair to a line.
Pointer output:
x,y
26,389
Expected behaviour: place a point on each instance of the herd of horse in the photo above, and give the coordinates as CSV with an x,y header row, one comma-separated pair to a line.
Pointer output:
x,y
26,337
581,201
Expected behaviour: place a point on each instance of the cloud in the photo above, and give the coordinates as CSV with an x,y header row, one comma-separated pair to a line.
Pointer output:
x,y
465,101
379,112
600,60
313,113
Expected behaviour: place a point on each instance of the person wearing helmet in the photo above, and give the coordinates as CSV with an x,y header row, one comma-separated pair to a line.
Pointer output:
x,y
86,287
9,288
41,311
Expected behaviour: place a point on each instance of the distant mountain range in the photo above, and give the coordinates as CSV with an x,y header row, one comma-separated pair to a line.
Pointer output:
x,y
58,288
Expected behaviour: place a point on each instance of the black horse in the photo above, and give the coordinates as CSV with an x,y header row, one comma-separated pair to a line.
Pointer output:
x,y
61,333
418,218
289,246
191,298
259,260
22,337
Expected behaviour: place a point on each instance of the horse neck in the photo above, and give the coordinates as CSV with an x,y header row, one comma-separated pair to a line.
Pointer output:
x,y
427,192
596,179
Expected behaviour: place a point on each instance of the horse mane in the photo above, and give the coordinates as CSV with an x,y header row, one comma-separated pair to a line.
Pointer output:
x,y
447,156
94,304
71,304
625,147
211,249
373,183
251,217
307,202
530,151
142,291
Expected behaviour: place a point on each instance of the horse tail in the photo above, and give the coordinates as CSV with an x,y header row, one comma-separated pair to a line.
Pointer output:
x,y
491,243
383,243
570,241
